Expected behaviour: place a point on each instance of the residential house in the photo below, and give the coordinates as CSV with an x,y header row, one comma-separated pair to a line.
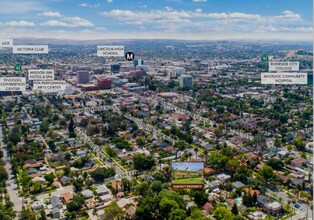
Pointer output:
x,y
282,154
230,202
223,177
66,180
55,213
37,205
257,215
67,197
237,185
120,195
208,170
298,162
123,202
272,208
81,153
102,190
106,197
117,185
39,179
56,202
186,198
32,170
213,184
295,182
130,212
207,208
87,193
251,191
190,205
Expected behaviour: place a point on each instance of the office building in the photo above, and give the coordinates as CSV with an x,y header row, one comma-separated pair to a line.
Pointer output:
x,y
104,83
178,71
115,68
82,77
136,74
138,62
186,81
142,67
127,68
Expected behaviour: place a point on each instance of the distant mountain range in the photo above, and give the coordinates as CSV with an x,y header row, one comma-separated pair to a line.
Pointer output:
x,y
115,41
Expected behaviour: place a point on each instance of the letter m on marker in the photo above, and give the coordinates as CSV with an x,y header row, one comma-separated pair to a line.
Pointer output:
x,y
129,56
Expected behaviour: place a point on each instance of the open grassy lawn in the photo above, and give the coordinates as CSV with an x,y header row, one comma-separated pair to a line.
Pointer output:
x,y
197,180
179,175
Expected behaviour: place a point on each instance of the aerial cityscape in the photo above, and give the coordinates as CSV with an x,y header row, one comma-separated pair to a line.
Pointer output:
x,y
176,110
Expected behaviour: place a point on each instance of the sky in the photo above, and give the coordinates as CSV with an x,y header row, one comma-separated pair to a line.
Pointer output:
x,y
190,166
157,19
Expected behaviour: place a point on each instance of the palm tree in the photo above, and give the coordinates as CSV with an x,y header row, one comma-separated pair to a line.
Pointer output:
x,y
205,154
298,189
196,150
160,162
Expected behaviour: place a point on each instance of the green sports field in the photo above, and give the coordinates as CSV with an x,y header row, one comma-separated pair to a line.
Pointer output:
x,y
197,180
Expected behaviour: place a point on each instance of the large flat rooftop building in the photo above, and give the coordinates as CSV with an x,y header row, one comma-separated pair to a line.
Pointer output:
x,y
82,77
186,81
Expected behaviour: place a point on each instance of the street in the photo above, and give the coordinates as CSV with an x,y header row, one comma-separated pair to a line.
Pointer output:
x,y
11,186
279,194
304,212
58,192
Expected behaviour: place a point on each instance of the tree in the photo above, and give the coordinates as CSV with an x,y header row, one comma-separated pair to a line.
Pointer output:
x,y
254,198
196,214
196,150
217,160
26,214
220,109
110,151
3,173
49,178
113,212
143,162
156,186
177,214
180,146
78,184
166,205
277,143
222,213
142,189
200,197
299,143
266,172
37,187
275,163
14,135
126,184
67,156
101,173
247,199
235,209
44,127
76,204
159,176
52,145
148,208
139,140
55,118
71,126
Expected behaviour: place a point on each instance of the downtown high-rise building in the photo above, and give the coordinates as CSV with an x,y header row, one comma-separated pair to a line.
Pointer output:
x,y
82,77
186,81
